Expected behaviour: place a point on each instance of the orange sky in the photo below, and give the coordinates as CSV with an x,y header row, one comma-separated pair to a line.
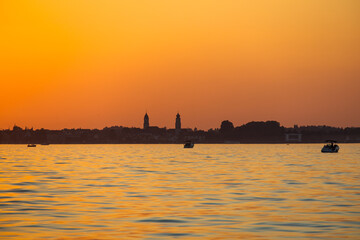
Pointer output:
x,y
91,64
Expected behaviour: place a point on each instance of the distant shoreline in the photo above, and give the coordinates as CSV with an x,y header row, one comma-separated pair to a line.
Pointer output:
x,y
269,132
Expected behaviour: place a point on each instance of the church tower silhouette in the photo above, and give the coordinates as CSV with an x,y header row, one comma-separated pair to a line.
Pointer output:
x,y
178,122
146,121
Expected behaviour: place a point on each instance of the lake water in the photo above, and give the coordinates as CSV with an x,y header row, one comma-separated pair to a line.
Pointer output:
x,y
239,191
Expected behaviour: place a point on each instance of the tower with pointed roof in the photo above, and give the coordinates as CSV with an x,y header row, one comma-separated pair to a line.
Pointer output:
x,y
146,121
178,122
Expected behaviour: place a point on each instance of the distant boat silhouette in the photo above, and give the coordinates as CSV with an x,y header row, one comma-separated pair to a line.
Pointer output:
x,y
330,147
31,145
188,144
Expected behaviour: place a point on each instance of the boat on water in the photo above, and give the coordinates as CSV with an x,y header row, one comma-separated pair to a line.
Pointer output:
x,y
189,144
31,145
330,147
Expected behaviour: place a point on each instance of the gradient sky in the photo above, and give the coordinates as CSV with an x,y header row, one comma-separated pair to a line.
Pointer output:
x,y
91,64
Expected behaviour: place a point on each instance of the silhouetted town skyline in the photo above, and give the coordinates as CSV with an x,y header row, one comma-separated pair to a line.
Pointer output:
x,y
251,132
146,124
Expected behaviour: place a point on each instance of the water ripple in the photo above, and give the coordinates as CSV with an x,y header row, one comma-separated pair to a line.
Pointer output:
x,y
225,191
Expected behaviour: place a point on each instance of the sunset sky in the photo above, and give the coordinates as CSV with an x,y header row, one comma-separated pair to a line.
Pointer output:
x,y
91,64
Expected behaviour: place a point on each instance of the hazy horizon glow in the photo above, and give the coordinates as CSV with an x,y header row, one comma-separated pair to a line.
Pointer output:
x,y
91,64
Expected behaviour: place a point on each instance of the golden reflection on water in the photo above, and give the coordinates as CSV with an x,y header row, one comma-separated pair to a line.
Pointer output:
x,y
165,191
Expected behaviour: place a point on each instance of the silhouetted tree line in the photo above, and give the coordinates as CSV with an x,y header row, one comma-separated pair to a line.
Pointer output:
x,y
252,132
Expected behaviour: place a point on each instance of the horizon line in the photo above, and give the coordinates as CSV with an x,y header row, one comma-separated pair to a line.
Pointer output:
x,y
213,128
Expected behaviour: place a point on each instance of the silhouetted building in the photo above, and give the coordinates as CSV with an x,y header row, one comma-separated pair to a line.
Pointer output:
x,y
293,134
293,137
178,122
146,121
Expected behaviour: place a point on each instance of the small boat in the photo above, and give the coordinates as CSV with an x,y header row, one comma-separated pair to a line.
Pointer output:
x,y
189,144
330,147
31,145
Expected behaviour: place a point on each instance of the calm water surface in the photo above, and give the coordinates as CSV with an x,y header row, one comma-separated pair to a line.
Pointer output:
x,y
165,192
